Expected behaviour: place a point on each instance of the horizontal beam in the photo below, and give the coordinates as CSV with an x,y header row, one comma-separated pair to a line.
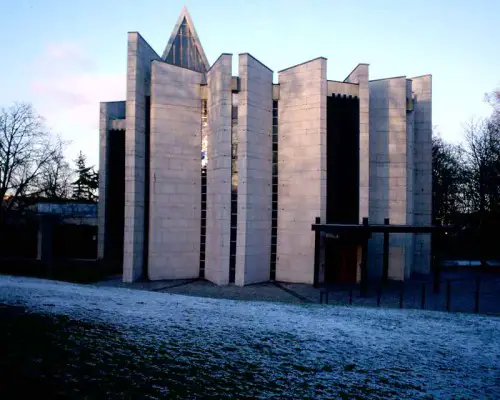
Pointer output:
x,y
344,228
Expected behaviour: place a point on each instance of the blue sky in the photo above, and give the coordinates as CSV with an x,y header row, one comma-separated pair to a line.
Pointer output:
x,y
66,56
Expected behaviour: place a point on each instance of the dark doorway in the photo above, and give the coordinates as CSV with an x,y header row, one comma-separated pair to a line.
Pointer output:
x,y
341,261
342,201
115,199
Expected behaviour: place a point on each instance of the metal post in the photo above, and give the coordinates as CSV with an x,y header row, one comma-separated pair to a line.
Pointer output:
x,y
476,296
317,238
364,256
401,295
386,253
448,295
422,303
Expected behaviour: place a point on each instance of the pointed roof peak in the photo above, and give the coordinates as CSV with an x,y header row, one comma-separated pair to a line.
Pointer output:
x,y
184,47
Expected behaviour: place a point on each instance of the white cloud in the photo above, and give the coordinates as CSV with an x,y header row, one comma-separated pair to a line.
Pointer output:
x,y
67,89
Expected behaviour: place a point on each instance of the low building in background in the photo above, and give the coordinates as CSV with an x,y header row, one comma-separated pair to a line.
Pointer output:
x,y
274,156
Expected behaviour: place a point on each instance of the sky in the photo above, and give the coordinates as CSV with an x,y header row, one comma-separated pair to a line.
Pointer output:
x,y
65,57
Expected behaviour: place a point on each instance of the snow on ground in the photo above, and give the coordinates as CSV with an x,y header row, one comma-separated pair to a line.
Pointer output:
x,y
199,348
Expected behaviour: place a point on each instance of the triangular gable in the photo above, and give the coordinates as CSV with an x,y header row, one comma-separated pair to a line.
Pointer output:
x,y
184,47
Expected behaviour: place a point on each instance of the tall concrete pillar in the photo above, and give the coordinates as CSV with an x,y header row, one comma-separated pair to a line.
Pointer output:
x,y
175,162
218,229
255,106
389,189
301,166
360,76
139,58
107,112
422,200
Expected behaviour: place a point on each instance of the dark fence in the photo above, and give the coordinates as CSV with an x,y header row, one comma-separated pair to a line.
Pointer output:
x,y
480,294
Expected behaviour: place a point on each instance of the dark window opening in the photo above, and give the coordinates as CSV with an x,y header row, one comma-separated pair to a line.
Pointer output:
x,y
342,185
274,200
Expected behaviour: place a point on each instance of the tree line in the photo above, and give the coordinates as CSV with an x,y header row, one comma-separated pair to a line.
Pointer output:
x,y
466,176
466,180
33,163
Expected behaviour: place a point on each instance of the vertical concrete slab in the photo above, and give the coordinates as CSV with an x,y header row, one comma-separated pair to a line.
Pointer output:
x,y
107,112
388,171
219,171
422,195
253,250
139,58
175,185
301,166
360,75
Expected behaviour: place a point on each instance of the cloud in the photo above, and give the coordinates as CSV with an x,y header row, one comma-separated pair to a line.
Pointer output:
x,y
67,54
66,87
69,84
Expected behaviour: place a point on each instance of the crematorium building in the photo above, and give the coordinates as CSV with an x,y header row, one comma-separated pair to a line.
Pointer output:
x,y
207,174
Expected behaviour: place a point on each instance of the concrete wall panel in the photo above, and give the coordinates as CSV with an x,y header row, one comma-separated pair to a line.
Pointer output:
x,y
301,166
219,170
254,171
388,173
422,195
175,184
139,58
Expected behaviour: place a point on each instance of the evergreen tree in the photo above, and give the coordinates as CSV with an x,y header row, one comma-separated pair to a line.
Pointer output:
x,y
87,182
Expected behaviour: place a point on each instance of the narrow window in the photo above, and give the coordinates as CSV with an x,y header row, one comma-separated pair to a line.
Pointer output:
x,y
274,201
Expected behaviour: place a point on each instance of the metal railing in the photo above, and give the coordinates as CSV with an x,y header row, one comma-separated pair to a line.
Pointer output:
x,y
477,295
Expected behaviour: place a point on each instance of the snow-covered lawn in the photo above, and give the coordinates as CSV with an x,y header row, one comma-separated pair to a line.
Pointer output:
x,y
186,347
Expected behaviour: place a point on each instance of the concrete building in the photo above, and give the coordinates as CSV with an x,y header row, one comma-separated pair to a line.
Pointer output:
x,y
206,174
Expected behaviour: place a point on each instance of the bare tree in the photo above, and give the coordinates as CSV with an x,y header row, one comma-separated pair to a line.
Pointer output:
x,y
482,150
448,179
55,179
27,149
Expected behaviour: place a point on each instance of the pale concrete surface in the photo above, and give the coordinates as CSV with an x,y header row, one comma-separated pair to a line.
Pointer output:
x,y
422,194
343,88
139,58
175,185
388,173
301,166
218,230
202,288
360,76
255,104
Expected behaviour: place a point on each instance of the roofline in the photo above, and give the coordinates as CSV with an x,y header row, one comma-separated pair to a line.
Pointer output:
x,y
343,82
260,62
354,69
145,41
420,76
218,58
302,63
386,79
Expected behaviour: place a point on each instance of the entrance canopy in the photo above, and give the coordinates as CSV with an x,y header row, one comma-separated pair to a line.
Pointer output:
x,y
378,228
361,233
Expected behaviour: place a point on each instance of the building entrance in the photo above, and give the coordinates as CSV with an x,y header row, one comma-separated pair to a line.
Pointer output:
x,y
340,261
